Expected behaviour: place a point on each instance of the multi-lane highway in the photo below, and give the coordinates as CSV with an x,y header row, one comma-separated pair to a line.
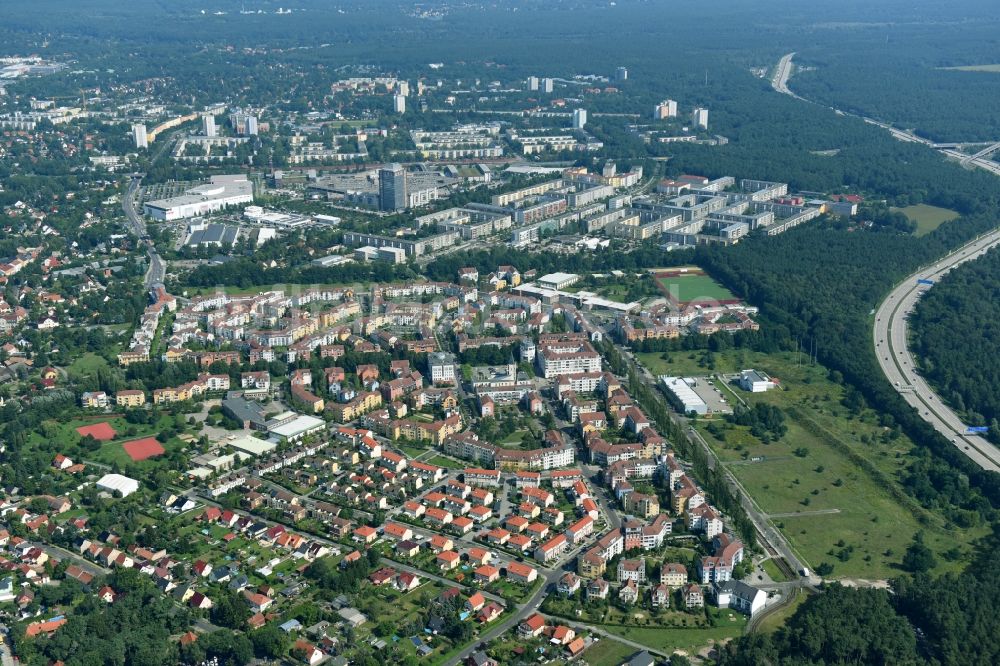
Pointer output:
x,y
779,81
781,74
157,268
890,337
890,329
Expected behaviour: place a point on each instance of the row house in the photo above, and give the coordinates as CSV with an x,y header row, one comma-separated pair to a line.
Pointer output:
x,y
605,454
551,549
565,478
578,382
204,384
704,519
594,561
525,479
637,468
538,496
429,473
359,405
580,530
481,477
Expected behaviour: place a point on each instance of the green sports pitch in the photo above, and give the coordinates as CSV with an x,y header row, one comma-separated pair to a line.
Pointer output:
x,y
688,285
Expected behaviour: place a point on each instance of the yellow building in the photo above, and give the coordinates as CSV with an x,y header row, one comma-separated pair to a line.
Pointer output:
x,y
129,357
130,398
362,404
591,565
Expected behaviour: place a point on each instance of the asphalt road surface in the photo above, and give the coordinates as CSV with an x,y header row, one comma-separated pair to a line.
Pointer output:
x,y
890,338
157,268
779,81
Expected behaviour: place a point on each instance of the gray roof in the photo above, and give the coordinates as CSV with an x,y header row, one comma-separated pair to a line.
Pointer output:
x,y
243,409
641,659
290,625
214,233
739,589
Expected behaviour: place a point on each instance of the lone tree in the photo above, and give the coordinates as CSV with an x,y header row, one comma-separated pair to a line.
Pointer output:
x,y
918,557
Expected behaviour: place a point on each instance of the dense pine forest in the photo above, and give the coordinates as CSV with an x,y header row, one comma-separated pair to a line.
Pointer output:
x,y
964,307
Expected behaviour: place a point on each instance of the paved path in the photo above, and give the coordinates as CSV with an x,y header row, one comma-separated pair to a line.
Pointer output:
x,y
157,267
521,611
782,72
604,633
796,514
59,553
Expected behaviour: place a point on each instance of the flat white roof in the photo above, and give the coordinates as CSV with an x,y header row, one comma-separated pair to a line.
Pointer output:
x,y
754,376
298,426
558,277
680,388
117,482
252,445
221,187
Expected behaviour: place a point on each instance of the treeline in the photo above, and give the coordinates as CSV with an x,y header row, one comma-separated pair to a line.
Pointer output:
x,y
246,272
334,581
766,422
487,260
952,615
817,286
864,73
964,305
136,629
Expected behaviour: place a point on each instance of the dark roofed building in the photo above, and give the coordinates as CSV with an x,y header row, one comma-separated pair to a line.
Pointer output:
x,y
212,234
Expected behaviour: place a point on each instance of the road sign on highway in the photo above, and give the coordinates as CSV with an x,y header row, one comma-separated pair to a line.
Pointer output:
x,y
924,281
976,430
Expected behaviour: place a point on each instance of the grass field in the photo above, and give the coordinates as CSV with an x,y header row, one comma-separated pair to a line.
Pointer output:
x,y
514,439
772,623
928,218
694,286
112,452
614,292
686,364
87,365
441,461
729,624
814,481
607,652
774,572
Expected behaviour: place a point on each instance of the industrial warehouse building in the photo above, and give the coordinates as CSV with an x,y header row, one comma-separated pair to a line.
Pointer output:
x,y
221,192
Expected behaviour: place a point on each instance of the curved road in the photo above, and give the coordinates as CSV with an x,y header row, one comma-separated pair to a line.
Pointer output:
x,y
779,81
890,334
890,338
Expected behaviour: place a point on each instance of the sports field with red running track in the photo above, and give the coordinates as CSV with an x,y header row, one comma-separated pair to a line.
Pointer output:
x,y
102,432
141,449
